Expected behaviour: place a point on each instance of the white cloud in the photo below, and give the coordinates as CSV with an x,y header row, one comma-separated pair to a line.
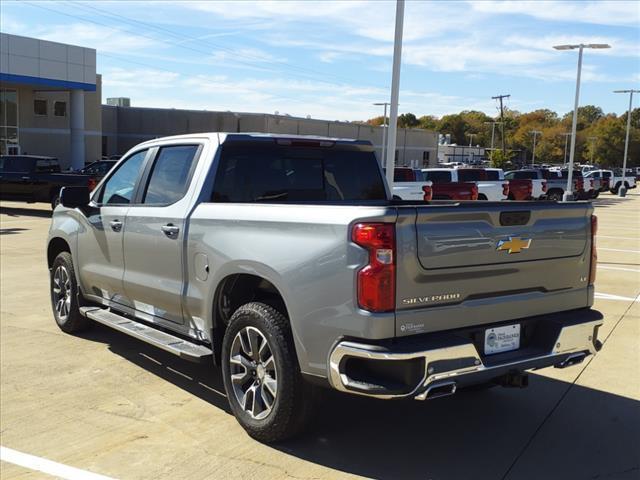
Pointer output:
x,y
623,13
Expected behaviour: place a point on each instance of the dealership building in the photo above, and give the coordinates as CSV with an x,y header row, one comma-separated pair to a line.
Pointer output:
x,y
50,101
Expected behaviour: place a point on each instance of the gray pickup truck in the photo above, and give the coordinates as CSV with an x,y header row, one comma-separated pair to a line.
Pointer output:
x,y
286,261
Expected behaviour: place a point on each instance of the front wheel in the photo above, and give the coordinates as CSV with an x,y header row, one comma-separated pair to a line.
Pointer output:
x,y
262,379
64,295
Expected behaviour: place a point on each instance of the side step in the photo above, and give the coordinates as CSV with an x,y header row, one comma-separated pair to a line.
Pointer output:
x,y
167,342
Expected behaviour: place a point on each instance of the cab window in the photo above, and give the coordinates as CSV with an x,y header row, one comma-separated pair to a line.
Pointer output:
x,y
119,188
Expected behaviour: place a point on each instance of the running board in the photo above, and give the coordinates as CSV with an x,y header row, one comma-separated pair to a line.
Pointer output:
x,y
167,342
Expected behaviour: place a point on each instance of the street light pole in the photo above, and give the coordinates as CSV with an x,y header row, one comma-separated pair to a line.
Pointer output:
x,y
395,93
383,157
533,158
622,191
471,135
568,193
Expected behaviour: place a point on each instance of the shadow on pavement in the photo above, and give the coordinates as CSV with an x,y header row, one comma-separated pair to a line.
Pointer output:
x,y
471,435
202,380
607,201
12,231
25,212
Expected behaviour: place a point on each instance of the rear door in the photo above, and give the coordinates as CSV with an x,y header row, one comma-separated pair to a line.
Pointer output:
x,y
154,233
487,262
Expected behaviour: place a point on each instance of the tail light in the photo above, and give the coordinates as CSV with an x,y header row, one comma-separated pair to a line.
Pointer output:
x,y
591,183
474,192
377,280
428,193
92,183
529,189
505,189
544,187
594,252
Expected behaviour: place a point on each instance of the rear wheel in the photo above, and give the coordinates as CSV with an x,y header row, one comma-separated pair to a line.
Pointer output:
x,y
64,295
482,196
265,388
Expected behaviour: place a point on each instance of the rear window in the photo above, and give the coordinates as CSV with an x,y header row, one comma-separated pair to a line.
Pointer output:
x,y
524,175
576,174
437,176
549,174
471,175
274,173
492,174
403,175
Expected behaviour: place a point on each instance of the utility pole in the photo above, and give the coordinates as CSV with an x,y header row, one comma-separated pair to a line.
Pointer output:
x,y
395,93
471,135
500,97
535,134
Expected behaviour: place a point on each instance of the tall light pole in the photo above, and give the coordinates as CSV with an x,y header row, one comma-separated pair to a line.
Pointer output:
x,y
500,98
395,93
384,133
493,131
568,193
622,191
535,134
471,135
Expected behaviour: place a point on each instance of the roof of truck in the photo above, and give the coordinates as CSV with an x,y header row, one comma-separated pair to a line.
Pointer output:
x,y
225,136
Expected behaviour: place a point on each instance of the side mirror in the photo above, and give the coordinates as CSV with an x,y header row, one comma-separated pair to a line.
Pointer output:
x,y
74,197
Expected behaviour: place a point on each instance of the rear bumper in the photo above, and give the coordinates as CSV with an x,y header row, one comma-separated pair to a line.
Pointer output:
x,y
416,366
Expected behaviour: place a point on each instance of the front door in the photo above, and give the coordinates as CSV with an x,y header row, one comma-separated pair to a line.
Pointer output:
x,y
100,242
154,234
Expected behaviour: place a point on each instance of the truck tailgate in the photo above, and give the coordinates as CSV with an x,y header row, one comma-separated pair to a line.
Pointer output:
x,y
468,264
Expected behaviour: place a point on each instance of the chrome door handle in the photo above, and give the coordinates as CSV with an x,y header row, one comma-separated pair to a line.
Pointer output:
x,y
170,230
116,225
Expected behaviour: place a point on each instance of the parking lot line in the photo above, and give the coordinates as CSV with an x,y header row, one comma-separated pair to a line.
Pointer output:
x,y
49,467
621,269
609,296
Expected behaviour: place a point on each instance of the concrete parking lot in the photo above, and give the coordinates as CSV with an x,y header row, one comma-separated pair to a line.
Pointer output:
x,y
109,404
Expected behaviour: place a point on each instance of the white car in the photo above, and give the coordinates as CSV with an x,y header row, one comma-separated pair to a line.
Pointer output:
x,y
487,189
409,184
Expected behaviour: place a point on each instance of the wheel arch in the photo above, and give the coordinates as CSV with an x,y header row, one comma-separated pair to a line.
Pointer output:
x,y
235,290
55,247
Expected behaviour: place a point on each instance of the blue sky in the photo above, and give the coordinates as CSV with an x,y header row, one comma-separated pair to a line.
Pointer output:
x,y
332,60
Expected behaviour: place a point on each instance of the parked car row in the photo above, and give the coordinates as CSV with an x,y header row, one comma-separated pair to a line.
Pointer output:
x,y
466,183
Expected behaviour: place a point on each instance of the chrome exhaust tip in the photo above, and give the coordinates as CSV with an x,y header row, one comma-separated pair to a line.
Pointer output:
x,y
438,389
571,360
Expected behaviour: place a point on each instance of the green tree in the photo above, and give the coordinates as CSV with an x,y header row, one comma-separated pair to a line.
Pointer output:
x,y
428,122
408,120
500,160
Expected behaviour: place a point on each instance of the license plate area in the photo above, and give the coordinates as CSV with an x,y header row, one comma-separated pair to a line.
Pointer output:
x,y
501,339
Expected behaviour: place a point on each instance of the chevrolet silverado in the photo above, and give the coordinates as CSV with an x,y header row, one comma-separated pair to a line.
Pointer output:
x,y
286,261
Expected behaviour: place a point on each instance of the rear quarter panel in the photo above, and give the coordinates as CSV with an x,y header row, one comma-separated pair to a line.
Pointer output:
x,y
305,251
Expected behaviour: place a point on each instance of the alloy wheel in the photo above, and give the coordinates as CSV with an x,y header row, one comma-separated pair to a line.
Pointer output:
x,y
253,372
62,292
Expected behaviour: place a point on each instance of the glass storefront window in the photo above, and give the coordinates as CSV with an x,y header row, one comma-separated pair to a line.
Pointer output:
x,y
8,121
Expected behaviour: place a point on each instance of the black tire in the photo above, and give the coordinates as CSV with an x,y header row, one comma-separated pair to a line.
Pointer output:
x,y
293,403
511,197
64,295
482,196
554,196
596,194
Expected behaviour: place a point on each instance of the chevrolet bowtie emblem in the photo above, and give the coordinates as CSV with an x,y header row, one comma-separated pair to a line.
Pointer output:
x,y
514,244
